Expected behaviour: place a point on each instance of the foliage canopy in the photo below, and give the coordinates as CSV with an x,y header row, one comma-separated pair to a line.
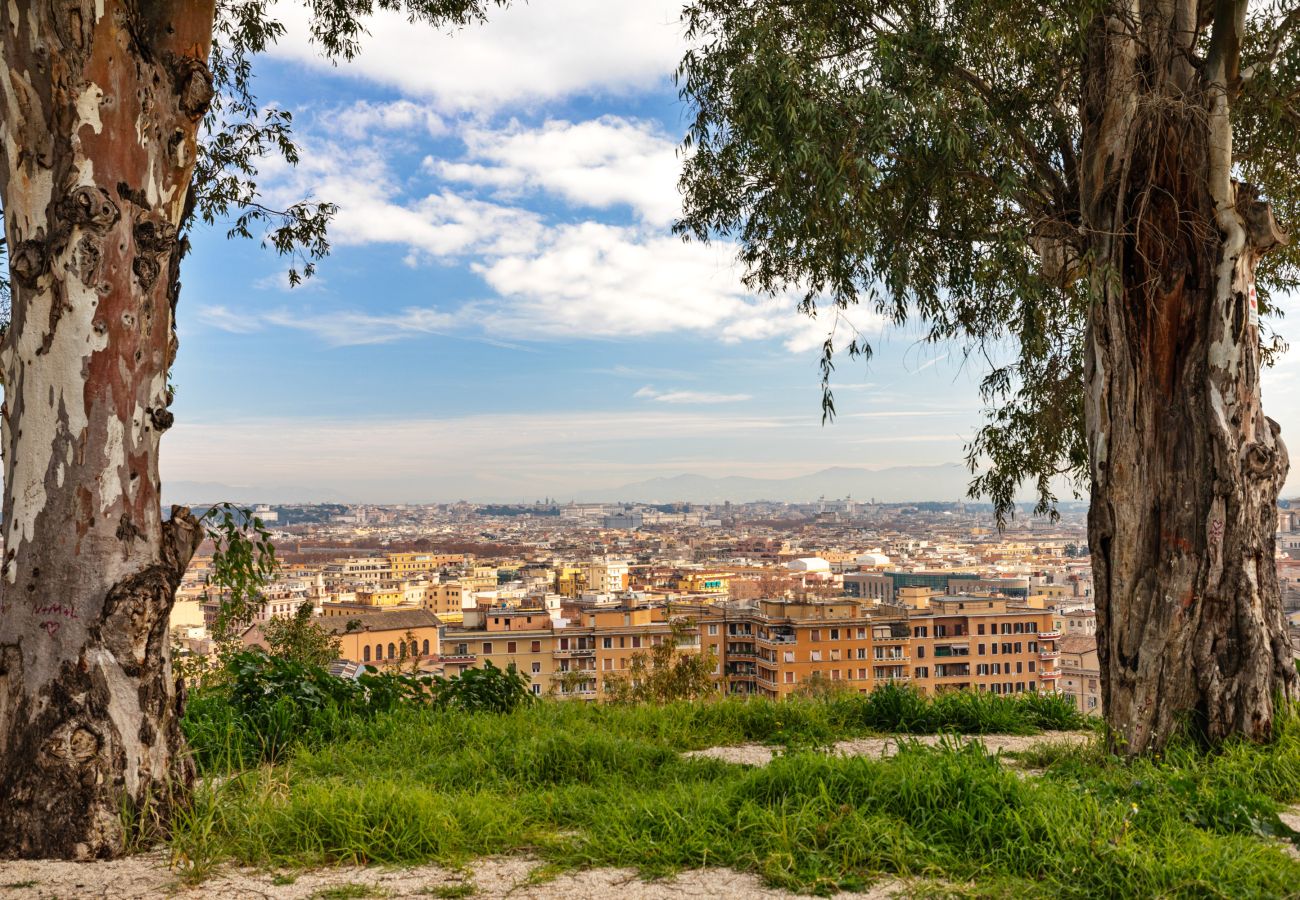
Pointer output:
x,y
923,159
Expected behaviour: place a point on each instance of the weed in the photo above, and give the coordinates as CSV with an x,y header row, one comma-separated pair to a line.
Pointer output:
x,y
452,891
347,892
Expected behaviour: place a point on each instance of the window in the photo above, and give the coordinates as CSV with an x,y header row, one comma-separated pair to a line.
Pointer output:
x,y
564,643
1031,665
608,663
537,668
379,651
789,656
816,634
1018,647
426,646
920,631
608,643
862,674
535,647
392,651
920,653
862,634
789,678
814,656
1020,667
713,629
835,634
365,653
537,689
512,647
636,641
981,631
835,654
922,671
487,648
1033,646
835,674
414,649
981,650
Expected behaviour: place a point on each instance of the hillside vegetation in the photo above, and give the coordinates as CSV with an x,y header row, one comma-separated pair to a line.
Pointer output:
x,y
301,772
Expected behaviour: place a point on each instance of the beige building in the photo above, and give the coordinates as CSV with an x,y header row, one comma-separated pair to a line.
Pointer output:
x,y
1081,672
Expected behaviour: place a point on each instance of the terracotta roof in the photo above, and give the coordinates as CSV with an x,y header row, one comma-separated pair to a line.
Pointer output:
x,y
398,620
1077,643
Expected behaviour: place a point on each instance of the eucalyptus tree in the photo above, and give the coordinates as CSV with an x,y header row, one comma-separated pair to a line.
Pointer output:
x,y
1086,193
124,123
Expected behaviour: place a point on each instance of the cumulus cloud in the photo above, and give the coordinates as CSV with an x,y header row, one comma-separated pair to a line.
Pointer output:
x,y
375,207
527,53
598,163
363,119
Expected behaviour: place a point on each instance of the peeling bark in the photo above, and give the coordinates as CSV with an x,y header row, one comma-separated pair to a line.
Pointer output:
x,y
1186,468
93,94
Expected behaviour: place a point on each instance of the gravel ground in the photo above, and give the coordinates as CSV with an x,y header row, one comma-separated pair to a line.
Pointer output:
x,y
147,876
761,754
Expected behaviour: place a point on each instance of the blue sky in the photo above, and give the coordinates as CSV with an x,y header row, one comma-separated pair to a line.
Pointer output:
x,y
505,314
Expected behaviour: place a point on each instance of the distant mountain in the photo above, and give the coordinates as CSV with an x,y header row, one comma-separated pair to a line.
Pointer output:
x,y
898,484
197,493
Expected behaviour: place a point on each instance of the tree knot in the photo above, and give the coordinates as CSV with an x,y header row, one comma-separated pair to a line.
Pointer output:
x,y
92,206
1262,230
193,85
161,417
29,263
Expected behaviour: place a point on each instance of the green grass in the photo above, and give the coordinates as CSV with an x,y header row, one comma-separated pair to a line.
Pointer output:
x,y
452,891
607,786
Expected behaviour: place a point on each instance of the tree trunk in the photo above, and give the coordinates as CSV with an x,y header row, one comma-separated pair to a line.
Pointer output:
x,y
1186,468
101,105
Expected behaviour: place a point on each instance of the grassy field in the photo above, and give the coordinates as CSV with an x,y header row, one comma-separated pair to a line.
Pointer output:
x,y
595,786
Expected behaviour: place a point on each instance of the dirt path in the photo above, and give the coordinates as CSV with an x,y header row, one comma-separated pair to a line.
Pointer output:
x,y
761,754
147,876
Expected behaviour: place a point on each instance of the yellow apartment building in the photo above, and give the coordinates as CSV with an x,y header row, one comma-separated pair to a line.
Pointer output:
x,y
775,649
703,583
983,643
570,662
444,599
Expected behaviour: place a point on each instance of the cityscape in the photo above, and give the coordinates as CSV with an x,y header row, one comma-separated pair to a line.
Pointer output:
x,y
786,598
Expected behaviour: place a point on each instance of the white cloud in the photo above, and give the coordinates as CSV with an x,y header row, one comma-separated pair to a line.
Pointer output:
x,y
689,397
603,281
598,163
224,319
529,52
373,206
350,329
363,119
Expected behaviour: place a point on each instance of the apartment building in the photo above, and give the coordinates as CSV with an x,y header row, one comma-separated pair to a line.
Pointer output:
x,y
566,656
984,643
776,647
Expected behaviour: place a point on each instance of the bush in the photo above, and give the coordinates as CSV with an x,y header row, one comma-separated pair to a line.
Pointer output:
x,y
265,705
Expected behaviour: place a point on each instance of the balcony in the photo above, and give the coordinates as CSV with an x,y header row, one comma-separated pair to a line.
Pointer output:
x,y
880,660
1049,675
457,657
1048,654
780,640
1049,635
746,650
574,652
